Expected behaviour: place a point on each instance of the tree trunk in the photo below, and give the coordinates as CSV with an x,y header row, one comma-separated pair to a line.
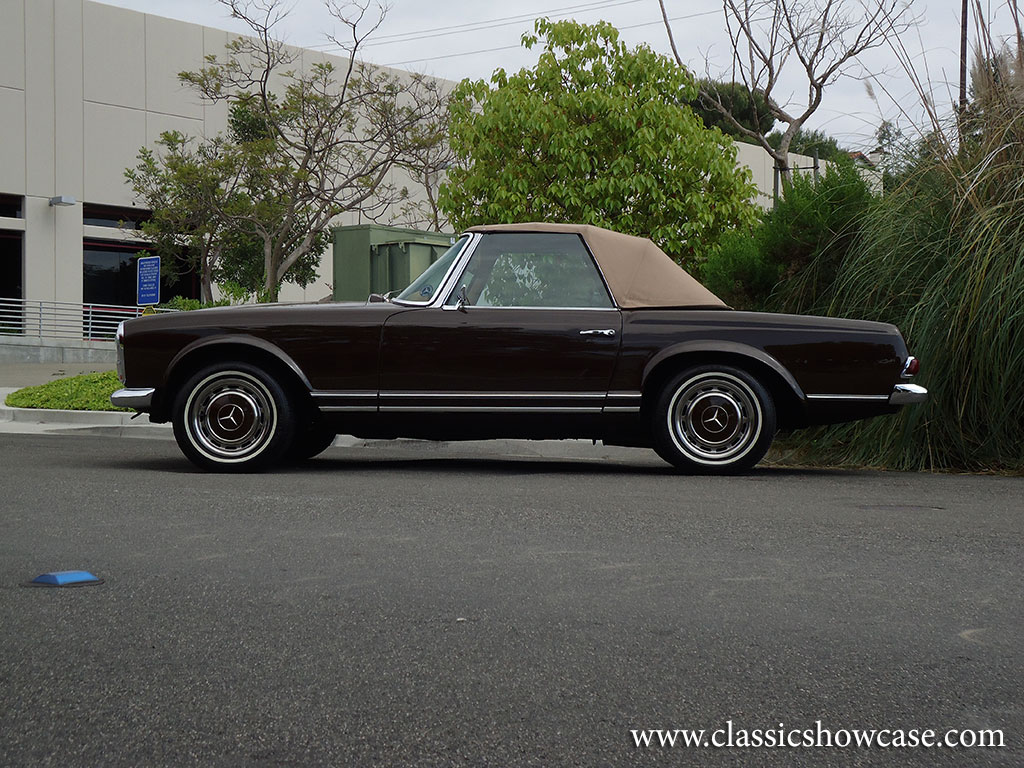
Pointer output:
x,y
271,286
206,280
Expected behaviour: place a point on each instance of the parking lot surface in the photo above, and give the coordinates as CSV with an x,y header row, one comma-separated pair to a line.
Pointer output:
x,y
405,604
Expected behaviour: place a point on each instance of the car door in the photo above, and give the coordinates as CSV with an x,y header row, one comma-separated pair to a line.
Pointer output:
x,y
529,326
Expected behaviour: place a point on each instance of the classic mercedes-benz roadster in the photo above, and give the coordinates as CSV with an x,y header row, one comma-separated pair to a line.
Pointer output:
x,y
539,331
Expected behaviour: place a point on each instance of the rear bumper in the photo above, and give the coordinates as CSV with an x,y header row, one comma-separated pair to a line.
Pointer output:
x,y
140,399
905,394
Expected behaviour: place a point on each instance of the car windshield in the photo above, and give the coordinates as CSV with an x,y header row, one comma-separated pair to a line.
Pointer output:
x,y
422,288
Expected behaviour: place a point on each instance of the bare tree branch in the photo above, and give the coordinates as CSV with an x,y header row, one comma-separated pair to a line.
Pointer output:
x,y
822,36
331,135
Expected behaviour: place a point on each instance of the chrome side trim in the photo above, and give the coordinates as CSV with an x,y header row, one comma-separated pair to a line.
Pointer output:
x,y
513,395
486,402
359,393
471,307
905,394
140,398
867,398
491,408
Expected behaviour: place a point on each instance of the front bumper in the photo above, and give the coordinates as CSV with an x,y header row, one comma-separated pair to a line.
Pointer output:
x,y
905,394
140,399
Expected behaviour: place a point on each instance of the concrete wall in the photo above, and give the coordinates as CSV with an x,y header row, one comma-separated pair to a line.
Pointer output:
x,y
762,166
35,349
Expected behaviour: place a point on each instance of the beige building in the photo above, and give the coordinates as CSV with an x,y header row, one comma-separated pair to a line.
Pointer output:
x,y
82,87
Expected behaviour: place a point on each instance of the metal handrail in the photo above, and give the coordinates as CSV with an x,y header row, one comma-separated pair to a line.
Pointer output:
x,y
63,320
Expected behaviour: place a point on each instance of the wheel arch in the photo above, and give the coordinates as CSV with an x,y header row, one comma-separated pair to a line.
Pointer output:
x,y
786,393
249,349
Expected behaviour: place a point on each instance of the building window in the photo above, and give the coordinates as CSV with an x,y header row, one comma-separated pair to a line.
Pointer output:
x,y
11,283
12,206
114,216
11,273
110,275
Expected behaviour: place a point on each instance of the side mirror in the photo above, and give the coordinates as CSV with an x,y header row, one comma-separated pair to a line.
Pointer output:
x,y
461,301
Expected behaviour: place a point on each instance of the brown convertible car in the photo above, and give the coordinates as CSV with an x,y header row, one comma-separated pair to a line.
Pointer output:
x,y
525,330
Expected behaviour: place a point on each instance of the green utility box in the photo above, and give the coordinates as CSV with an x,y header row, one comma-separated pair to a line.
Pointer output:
x,y
371,258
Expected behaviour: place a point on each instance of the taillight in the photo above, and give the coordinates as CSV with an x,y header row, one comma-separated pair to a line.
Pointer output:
x,y
911,367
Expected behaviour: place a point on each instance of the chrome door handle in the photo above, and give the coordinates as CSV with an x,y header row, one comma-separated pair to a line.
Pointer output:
x,y
598,332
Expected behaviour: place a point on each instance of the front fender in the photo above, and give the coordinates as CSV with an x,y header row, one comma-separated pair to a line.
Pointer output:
x,y
243,340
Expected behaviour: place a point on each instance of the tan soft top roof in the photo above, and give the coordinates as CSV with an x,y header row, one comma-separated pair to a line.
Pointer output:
x,y
638,272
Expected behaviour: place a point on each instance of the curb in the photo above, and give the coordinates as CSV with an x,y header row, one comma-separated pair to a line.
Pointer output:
x,y
98,422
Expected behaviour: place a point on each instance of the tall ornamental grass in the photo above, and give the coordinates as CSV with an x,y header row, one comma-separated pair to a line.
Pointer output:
x,y
942,256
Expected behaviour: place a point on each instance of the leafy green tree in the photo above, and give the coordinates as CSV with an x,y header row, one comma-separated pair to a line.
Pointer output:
x,y
594,133
749,110
211,200
189,186
308,143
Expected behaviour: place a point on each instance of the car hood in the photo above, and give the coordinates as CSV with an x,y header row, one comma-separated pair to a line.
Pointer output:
x,y
257,315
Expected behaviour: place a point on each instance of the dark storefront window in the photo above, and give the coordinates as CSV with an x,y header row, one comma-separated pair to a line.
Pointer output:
x,y
113,216
11,271
110,275
12,206
12,281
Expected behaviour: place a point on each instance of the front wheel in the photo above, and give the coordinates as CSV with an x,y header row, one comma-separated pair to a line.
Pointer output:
x,y
713,419
233,417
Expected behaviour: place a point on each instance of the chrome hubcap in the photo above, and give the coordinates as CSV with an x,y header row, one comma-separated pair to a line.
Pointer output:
x,y
714,418
231,416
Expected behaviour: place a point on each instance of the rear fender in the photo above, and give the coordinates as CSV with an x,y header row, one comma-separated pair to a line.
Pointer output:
x,y
729,348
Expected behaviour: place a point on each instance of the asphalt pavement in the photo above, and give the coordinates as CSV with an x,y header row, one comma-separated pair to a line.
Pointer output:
x,y
401,604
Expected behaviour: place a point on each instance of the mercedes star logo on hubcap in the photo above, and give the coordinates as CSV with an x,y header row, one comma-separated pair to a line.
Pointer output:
x,y
714,419
230,417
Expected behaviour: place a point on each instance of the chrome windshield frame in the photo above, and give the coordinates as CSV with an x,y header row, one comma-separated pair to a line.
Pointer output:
x,y
444,287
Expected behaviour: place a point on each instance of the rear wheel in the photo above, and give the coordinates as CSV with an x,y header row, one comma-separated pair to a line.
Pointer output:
x,y
233,417
713,419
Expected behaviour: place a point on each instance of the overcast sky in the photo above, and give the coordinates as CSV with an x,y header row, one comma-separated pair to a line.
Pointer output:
x,y
418,35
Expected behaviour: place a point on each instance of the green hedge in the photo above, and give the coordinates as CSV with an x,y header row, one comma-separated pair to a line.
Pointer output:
x,y
88,392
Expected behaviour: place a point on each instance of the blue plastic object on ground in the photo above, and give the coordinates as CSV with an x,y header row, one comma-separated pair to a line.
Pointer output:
x,y
66,579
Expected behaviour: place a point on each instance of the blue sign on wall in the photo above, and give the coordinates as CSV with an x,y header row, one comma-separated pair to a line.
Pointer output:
x,y
149,281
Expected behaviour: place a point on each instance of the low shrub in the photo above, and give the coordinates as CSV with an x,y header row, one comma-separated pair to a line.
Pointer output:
x,y
183,304
88,392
